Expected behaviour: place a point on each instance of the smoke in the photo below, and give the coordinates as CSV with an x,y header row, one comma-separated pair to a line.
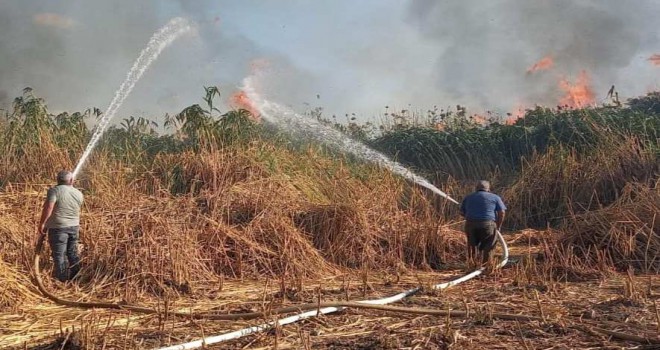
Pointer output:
x,y
344,56
75,54
53,20
4,100
488,45
63,59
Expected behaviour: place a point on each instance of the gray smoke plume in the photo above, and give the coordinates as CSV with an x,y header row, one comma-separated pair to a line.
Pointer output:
x,y
67,59
345,56
75,54
488,45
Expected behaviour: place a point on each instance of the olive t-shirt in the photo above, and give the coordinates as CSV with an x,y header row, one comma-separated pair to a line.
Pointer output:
x,y
68,201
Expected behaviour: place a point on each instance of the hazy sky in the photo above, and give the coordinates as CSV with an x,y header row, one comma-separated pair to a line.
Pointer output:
x,y
358,56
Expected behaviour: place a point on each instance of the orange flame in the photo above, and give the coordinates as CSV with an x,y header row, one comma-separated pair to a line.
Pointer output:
x,y
240,100
577,95
479,119
517,113
545,63
655,59
476,119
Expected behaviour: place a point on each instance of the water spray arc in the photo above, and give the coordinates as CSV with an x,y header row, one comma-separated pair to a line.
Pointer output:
x,y
287,119
158,42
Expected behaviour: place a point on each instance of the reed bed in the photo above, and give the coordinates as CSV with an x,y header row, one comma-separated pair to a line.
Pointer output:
x,y
626,233
17,289
232,218
199,222
336,230
560,182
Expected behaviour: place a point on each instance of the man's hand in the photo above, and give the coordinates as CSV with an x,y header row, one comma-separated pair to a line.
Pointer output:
x,y
46,212
500,220
41,231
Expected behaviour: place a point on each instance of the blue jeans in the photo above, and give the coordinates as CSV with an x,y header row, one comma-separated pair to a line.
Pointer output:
x,y
64,241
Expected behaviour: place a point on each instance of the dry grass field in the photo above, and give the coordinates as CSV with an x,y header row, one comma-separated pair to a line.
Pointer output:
x,y
224,216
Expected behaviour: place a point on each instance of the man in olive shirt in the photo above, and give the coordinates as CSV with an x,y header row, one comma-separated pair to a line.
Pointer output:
x,y
60,218
484,213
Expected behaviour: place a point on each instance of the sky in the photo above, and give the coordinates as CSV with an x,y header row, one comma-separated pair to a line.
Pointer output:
x,y
344,56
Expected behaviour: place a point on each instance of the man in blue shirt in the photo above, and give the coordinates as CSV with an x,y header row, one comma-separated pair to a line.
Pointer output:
x,y
484,214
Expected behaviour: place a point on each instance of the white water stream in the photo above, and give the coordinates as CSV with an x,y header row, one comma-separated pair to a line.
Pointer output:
x,y
158,42
286,119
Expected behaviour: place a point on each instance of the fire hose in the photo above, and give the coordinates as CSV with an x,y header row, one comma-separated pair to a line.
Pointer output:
x,y
331,309
316,309
237,316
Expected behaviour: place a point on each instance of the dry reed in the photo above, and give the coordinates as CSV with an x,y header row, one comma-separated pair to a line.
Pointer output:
x,y
625,233
230,217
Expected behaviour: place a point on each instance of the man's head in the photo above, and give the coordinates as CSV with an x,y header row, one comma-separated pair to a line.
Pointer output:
x,y
64,177
483,185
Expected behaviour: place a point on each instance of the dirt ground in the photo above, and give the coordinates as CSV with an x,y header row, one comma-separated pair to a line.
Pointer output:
x,y
568,304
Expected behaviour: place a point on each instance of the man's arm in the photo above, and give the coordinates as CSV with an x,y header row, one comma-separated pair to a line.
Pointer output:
x,y
46,212
500,219
500,209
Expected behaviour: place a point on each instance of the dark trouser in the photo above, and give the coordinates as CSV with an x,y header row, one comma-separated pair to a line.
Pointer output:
x,y
64,241
481,237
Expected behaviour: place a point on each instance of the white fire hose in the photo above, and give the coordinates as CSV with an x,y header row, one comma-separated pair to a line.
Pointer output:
x,y
291,319
327,310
